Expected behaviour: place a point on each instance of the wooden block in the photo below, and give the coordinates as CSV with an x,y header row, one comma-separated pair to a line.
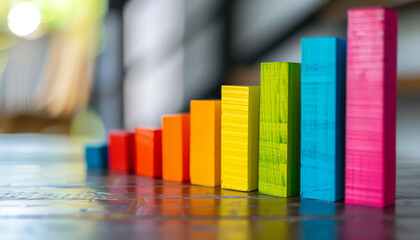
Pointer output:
x,y
323,79
279,129
149,147
121,151
239,148
176,147
371,107
96,155
205,142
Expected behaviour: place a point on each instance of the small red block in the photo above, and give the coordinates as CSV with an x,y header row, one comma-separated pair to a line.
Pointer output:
x,y
149,144
121,151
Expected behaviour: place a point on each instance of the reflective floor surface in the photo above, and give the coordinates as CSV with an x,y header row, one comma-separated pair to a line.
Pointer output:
x,y
52,196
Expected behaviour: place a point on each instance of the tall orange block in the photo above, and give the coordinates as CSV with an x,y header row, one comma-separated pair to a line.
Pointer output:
x,y
176,147
205,142
149,147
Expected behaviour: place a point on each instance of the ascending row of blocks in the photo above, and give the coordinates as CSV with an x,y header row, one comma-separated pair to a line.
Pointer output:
x,y
292,134
142,152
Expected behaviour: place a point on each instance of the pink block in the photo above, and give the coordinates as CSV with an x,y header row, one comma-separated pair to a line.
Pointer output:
x,y
371,107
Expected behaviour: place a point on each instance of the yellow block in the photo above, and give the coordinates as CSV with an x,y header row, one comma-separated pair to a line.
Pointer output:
x,y
205,142
240,137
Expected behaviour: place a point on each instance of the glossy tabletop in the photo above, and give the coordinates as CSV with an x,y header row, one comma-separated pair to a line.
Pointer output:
x,y
53,196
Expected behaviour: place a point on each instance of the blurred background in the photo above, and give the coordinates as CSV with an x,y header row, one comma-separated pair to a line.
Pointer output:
x,y
73,69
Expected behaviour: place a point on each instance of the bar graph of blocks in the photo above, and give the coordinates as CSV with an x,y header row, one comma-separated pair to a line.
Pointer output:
x,y
149,149
279,129
323,79
176,147
324,128
240,130
121,151
371,107
96,155
205,142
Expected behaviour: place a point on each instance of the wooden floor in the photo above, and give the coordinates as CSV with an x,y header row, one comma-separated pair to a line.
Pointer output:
x,y
44,196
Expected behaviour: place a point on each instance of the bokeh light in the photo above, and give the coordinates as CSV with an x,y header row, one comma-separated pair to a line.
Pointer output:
x,y
24,18
87,126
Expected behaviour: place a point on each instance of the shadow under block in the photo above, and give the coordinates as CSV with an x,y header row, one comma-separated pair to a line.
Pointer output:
x,y
96,155
279,129
239,147
149,149
371,107
121,151
176,147
205,142
323,82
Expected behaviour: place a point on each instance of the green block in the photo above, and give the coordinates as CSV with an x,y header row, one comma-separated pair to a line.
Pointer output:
x,y
279,151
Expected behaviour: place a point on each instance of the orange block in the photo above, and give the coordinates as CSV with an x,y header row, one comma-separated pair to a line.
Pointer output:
x,y
176,147
205,142
149,147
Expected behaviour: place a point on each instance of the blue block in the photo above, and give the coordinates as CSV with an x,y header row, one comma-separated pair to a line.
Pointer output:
x,y
323,81
96,155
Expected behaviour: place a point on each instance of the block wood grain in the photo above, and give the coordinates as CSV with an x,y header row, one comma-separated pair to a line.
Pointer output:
x,y
176,147
239,147
205,142
279,129
96,155
149,149
121,151
323,82
371,107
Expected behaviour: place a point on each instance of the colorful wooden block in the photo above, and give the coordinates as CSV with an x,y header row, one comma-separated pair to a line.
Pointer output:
x,y
323,79
96,155
279,129
205,142
149,147
239,148
121,151
176,147
371,107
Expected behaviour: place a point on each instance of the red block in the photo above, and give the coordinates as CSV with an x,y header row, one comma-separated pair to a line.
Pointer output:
x,y
121,151
149,144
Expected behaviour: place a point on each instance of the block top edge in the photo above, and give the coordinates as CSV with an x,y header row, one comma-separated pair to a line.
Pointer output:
x,y
148,128
373,8
280,63
96,144
239,86
119,133
205,100
323,37
175,115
